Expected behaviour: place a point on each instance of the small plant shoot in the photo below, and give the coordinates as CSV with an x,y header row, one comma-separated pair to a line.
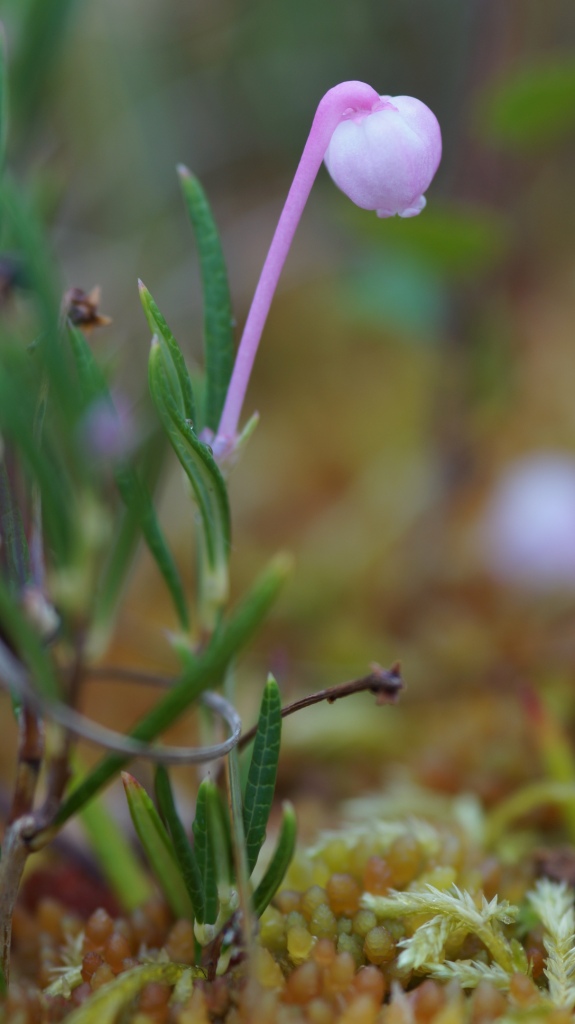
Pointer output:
x,y
173,845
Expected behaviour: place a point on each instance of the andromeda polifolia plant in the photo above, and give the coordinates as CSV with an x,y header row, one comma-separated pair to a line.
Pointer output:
x,y
76,496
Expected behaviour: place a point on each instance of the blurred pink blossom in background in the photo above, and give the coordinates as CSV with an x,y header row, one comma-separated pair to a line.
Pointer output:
x,y
108,430
528,532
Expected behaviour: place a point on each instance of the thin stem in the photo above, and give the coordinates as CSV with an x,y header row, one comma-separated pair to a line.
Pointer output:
x,y
208,668
130,675
15,852
59,769
335,104
385,684
30,753
236,811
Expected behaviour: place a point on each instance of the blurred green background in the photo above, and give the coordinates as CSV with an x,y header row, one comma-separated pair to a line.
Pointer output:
x,y
404,364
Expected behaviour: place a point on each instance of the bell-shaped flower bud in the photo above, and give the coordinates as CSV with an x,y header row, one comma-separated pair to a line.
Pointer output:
x,y
382,152
384,159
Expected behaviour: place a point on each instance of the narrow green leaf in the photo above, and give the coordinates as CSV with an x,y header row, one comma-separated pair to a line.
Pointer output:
x,y
141,515
40,38
92,381
137,499
157,846
3,97
28,237
123,546
236,819
204,850
205,478
174,364
220,825
185,854
206,671
275,872
118,558
106,1004
260,787
218,320
26,642
14,555
17,425
246,432
109,845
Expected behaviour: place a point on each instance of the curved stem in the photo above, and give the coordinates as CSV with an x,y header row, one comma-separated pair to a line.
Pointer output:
x,y
348,96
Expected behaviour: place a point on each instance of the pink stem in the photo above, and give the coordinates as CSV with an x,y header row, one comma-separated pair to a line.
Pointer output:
x,y
339,100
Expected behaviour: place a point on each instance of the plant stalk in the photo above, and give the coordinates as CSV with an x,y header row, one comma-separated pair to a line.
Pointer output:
x,y
15,851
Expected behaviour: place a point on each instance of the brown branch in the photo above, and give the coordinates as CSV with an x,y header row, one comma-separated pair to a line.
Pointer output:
x,y
14,856
30,753
58,769
385,684
232,934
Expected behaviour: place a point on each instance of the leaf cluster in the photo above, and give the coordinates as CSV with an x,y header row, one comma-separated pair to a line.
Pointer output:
x,y
198,877
71,519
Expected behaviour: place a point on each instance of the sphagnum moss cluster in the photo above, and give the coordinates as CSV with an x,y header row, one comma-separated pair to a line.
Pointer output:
x,y
336,945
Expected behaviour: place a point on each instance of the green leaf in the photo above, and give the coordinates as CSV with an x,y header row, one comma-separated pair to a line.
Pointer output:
x,y
185,854
137,499
92,381
106,1004
532,107
173,360
28,237
204,849
207,482
40,38
236,821
219,816
113,852
260,787
3,97
157,846
119,556
14,555
25,641
218,320
141,513
275,872
123,545
206,671
17,425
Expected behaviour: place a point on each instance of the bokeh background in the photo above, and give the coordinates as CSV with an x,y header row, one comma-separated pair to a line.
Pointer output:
x,y
406,366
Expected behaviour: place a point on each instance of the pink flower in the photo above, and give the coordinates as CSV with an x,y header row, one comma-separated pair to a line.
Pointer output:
x,y
383,154
384,159
528,530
